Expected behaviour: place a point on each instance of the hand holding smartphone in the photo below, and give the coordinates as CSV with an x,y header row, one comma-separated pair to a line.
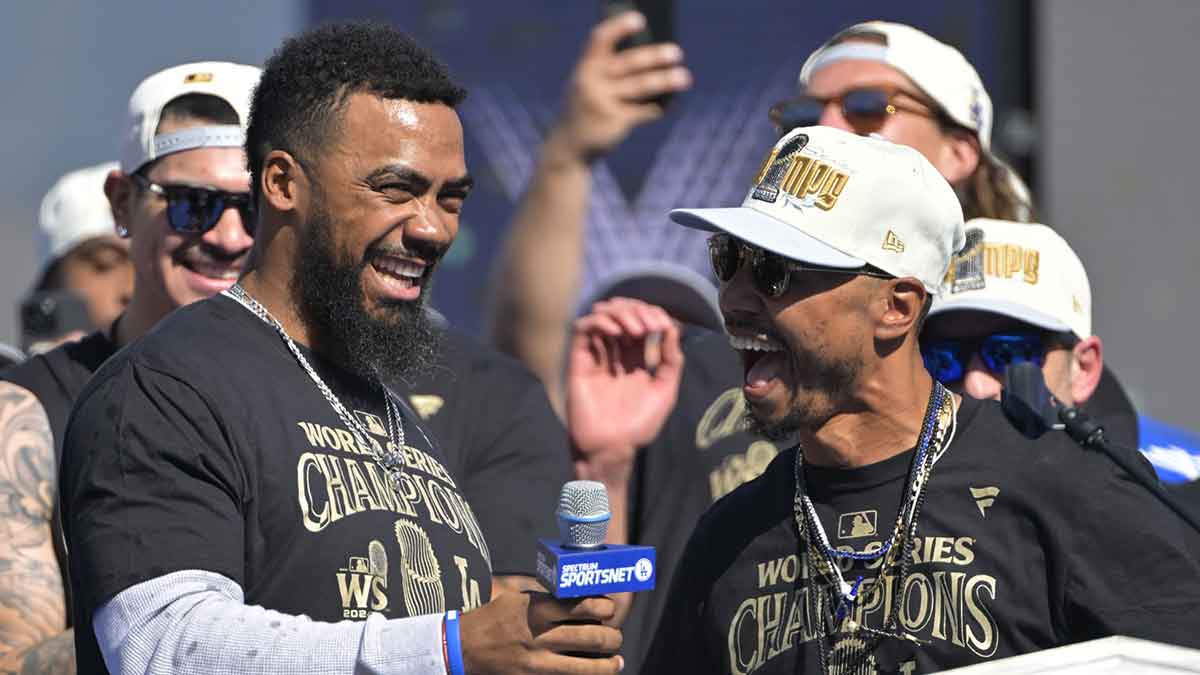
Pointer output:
x,y
660,27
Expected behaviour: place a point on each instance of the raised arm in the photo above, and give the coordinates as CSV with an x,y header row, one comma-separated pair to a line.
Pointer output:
x,y
33,630
622,383
539,271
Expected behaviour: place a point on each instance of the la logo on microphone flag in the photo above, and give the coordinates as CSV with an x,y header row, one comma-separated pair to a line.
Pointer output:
x,y
611,568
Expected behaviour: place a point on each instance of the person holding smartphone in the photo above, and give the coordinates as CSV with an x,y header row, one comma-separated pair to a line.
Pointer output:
x,y
611,92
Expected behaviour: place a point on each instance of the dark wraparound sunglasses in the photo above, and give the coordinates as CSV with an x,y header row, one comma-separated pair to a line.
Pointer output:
x,y
865,110
196,210
947,360
771,273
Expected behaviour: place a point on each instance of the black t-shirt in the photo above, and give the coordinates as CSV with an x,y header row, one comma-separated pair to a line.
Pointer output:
x,y
1022,545
56,378
1110,406
494,423
206,446
700,455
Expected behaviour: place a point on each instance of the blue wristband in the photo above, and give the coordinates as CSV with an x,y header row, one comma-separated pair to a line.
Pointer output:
x,y
454,657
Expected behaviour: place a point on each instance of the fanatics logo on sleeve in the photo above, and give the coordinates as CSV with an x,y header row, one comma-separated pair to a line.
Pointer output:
x,y
858,524
426,405
984,498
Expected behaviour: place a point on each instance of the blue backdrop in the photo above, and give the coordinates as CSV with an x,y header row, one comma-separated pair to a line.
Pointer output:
x,y
514,57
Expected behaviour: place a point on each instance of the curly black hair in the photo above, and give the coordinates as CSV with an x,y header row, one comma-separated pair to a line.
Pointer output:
x,y
299,100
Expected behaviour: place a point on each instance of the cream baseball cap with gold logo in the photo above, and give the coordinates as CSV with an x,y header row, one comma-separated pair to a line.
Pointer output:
x,y
835,199
232,82
1025,271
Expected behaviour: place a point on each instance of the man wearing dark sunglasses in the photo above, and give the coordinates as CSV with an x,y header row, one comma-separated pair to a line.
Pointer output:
x,y
909,529
877,78
179,196
1019,293
893,80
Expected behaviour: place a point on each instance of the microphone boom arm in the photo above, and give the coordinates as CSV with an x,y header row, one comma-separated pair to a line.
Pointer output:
x,y
1033,411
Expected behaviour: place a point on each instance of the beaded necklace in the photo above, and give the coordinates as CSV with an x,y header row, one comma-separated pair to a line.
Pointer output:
x,y
852,653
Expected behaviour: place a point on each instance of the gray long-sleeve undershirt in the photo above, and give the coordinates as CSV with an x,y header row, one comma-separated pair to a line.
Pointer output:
x,y
195,622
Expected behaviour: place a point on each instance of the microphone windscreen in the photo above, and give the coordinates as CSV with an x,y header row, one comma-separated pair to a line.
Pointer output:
x,y
583,514
1025,400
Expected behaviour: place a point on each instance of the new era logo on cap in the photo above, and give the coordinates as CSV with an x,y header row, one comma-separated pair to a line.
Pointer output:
x,y
1024,271
831,198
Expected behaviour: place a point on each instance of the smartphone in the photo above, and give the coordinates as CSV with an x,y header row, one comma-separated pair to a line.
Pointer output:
x,y
660,26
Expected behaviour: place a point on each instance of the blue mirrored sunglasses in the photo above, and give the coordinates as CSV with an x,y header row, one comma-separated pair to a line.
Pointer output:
x,y
947,359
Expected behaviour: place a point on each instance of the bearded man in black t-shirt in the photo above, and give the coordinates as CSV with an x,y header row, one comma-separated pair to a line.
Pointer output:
x,y
827,271
246,476
174,195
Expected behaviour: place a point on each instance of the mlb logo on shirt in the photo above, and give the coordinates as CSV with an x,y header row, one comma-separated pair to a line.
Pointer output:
x,y
857,524
372,423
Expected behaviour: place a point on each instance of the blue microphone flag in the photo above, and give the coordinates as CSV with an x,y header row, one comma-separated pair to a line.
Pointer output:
x,y
611,568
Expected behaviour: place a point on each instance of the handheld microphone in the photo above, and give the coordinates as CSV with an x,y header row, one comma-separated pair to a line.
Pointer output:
x,y
580,563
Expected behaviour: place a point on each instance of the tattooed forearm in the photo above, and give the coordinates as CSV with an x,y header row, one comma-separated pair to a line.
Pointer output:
x,y
32,601
55,656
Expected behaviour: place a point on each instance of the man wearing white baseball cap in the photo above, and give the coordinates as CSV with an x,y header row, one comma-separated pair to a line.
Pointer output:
x,y
181,197
893,80
81,258
827,270
1018,292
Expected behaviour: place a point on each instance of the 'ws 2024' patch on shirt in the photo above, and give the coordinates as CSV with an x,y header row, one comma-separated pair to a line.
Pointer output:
x,y
1021,546
206,446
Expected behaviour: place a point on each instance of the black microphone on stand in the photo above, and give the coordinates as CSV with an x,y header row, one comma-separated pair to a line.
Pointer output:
x,y
1033,411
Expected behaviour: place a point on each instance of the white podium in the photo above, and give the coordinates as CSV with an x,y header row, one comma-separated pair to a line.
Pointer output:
x,y
1117,654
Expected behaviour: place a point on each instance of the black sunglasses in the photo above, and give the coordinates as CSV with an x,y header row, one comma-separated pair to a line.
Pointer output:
x,y
865,109
770,272
196,210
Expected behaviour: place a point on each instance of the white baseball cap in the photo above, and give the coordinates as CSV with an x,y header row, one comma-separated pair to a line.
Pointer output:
x,y
73,211
941,71
829,197
232,82
1025,271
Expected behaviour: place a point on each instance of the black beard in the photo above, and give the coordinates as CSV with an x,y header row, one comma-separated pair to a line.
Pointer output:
x,y
327,289
823,388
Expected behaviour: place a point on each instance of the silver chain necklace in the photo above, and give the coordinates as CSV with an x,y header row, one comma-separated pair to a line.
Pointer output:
x,y
390,458
853,652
